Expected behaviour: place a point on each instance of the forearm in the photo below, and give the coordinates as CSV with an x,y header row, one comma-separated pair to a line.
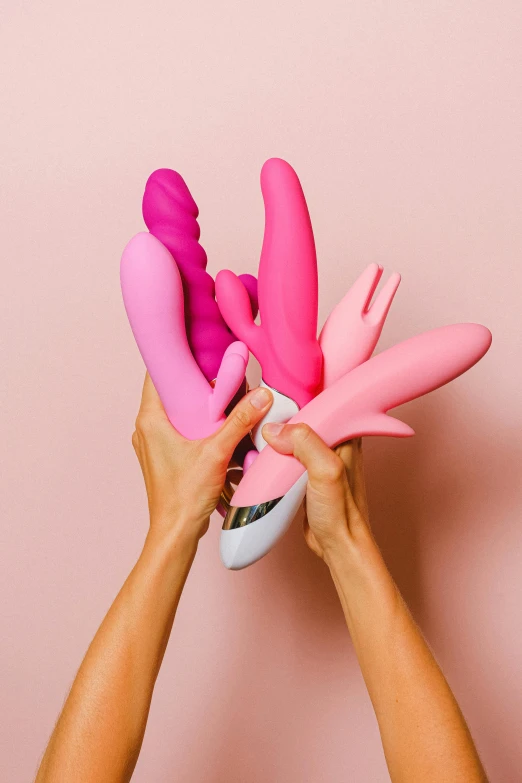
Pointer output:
x,y
423,732
100,730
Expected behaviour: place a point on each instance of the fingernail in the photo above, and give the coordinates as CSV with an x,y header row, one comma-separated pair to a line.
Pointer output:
x,y
260,399
273,428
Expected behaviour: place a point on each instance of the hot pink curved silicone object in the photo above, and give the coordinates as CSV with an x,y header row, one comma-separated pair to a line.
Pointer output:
x,y
285,344
153,296
357,403
170,214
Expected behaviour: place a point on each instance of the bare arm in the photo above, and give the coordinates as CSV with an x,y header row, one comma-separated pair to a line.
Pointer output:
x,y
99,733
423,732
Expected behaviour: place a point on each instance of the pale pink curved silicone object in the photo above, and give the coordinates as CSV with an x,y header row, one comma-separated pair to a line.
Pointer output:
x,y
153,296
249,460
285,344
170,214
357,403
352,330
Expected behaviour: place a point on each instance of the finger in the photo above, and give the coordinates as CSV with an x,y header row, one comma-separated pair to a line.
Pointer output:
x,y
150,399
351,455
348,453
238,424
324,466
151,409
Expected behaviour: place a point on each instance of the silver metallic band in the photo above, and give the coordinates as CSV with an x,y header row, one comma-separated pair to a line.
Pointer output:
x,y
240,516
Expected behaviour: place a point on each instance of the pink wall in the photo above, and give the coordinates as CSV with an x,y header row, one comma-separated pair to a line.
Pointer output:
x,y
404,122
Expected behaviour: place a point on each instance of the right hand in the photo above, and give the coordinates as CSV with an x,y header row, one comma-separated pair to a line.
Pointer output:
x,y
336,505
184,478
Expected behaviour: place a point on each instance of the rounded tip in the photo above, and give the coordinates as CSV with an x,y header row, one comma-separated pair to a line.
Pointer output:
x,y
142,242
274,163
249,460
228,546
482,336
276,169
238,348
487,337
166,187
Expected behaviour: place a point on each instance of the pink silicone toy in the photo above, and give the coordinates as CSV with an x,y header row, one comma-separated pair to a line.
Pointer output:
x,y
170,214
272,490
344,395
354,326
357,403
153,296
285,344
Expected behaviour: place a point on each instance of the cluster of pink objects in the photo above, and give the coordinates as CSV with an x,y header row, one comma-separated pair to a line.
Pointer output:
x,y
195,335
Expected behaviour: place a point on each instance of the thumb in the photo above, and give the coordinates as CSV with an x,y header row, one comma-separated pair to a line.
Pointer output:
x,y
249,410
150,399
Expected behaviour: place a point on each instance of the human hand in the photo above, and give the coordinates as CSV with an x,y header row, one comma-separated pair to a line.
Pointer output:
x,y
184,478
336,504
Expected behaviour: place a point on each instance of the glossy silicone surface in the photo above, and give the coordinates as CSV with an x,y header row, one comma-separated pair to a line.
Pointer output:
x,y
285,343
357,403
153,296
170,214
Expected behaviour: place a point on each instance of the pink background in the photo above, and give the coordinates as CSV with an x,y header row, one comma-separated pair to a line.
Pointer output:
x,y
404,123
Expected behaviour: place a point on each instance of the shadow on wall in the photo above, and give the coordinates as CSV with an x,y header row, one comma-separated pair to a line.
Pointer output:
x,y
424,495
434,509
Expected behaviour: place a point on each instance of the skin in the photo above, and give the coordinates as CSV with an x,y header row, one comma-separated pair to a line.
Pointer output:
x,y
423,732
100,730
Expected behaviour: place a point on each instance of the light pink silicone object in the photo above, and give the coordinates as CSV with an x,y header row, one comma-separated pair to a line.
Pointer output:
x,y
352,330
153,296
171,215
285,344
354,326
357,403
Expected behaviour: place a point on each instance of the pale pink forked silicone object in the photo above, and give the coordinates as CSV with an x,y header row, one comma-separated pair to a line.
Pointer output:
x,y
170,214
350,334
285,344
357,403
153,296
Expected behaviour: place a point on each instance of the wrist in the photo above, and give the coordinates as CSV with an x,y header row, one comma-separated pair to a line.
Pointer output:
x,y
361,577
357,557
162,568
349,549
178,526
172,539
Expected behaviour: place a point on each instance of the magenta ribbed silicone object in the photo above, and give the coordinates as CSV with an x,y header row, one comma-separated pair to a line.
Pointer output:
x,y
170,214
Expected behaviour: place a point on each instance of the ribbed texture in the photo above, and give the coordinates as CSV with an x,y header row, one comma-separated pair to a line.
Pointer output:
x,y
170,214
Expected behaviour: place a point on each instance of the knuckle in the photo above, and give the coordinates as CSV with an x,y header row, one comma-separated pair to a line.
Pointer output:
x,y
332,470
242,420
145,424
208,456
302,432
213,462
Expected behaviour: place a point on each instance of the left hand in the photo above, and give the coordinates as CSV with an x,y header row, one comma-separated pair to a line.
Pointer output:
x,y
184,478
336,504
